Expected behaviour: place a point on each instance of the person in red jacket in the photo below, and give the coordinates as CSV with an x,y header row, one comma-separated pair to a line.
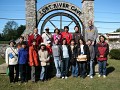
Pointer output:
x,y
102,50
66,34
35,36
33,60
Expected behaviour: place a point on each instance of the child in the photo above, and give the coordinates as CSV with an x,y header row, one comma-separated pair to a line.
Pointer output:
x,y
12,61
73,55
33,59
92,55
65,59
44,58
57,57
23,61
102,52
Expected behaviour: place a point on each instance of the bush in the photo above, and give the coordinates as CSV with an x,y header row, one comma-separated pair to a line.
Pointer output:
x,y
115,54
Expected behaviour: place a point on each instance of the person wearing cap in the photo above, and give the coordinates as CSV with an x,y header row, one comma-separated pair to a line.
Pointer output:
x,y
35,36
46,36
23,61
66,34
57,35
44,59
12,61
33,59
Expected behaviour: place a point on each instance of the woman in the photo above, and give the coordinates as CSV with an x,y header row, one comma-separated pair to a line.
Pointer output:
x,y
102,50
66,34
73,55
57,35
44,59
12,61
56,49
83,50
65,59
33,59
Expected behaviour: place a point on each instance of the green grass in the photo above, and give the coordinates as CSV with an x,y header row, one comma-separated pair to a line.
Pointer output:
x,y
112,82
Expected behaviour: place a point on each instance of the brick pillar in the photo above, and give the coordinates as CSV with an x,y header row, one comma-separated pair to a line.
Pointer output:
x,y
88,11
31,16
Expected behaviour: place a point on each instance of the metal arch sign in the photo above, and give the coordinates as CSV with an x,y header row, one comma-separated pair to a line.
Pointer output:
x,y
59,6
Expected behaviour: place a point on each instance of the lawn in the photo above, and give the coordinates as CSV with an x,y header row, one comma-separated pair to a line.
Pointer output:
x,y
112,82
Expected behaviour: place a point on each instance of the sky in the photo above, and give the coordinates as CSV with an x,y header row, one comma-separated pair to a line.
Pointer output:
x,y
104,10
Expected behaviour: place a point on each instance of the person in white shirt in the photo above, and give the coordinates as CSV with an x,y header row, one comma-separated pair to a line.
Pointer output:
x,y
47,36
65,59
12,61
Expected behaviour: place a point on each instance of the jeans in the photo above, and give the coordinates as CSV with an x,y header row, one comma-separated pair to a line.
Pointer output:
x,y
82,66
91,66
75,70
102,67
23,72
43,73
11,73
57,66
64,67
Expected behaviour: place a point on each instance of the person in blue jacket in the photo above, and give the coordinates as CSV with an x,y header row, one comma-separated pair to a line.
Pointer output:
x,y
23,61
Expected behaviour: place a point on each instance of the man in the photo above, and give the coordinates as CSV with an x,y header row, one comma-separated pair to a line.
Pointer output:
x,y
77,35
66,34
35,36
91,33
47,36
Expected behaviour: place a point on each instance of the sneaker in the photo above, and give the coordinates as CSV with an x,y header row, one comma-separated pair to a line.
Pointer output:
x,y
104,76
62,77
99,75
88,75
91,77
66,77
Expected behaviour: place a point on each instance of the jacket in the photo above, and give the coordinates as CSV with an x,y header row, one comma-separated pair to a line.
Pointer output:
x,y
23,56
11,60
77,36
73,55
86,51
44,57
38,39
33,57
67,35
102,49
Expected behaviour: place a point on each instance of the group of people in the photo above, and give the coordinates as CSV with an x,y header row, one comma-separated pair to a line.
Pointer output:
x,y
61,50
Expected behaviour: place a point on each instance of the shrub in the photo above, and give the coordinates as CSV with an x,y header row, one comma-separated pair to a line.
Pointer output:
x,y
115,54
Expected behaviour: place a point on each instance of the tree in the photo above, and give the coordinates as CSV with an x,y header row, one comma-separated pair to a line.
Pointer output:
x,y
20,30
118,30
10,30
